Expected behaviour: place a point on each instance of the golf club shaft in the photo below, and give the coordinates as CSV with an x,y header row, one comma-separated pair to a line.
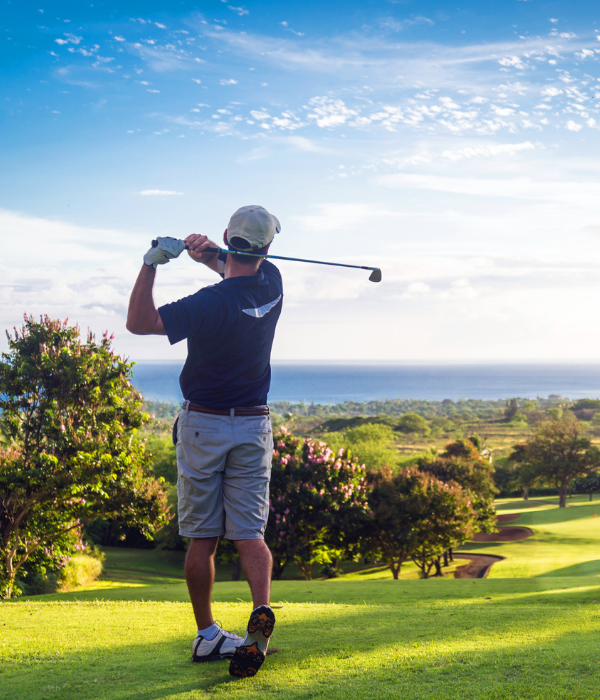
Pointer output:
x,y
210,249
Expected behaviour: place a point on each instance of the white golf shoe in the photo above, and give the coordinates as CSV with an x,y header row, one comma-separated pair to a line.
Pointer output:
x,y
222,646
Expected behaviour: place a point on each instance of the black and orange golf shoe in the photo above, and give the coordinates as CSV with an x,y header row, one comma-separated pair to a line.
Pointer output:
x,y
250,655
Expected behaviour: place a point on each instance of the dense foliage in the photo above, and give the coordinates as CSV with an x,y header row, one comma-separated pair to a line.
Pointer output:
x,y
559,454
317,500
69,415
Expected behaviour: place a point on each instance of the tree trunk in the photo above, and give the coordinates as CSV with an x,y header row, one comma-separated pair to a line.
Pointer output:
x,y
278,567
451,554
438,567
562,499
306,569
526,493
446,561
395,568
237,570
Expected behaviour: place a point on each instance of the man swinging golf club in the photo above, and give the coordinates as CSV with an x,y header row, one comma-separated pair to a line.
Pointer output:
x,y
223,433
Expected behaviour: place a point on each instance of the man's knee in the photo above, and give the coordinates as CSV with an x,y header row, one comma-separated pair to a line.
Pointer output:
x,y
202,547
256,547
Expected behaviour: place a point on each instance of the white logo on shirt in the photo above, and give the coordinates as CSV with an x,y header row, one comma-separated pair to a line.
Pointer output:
x,y
262,310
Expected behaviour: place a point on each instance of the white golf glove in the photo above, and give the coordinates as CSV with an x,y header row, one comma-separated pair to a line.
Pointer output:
x,y
167,248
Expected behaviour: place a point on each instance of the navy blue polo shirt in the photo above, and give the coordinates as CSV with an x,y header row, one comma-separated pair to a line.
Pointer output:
x,y
229,328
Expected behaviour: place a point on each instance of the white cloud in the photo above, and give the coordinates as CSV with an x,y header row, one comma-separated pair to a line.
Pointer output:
x,y
154,193
576,192
552,92
230,81
512,61
328,112
416,289
574,126
239,10
488,150
160,26
69,39
342,217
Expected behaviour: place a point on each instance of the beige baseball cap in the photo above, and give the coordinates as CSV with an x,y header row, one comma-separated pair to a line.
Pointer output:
x,y
252,227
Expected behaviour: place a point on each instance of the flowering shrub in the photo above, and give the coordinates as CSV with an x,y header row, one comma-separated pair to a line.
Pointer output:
x,y
69,414
317,499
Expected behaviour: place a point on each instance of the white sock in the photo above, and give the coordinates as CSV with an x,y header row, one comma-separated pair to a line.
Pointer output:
x,y
210,632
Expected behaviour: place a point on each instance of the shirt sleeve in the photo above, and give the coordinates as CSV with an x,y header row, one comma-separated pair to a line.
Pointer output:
x,y
187,316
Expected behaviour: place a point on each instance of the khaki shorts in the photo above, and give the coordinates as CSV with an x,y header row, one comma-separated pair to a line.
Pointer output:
x,y
224,467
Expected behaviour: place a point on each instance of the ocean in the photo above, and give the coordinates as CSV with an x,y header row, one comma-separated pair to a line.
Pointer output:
x,y
336,382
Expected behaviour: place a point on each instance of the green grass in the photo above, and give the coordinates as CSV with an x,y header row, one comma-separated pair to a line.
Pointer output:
x,y
566,541
506,637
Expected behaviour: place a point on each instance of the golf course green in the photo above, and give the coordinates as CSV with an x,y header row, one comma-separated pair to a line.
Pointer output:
x,y
529,630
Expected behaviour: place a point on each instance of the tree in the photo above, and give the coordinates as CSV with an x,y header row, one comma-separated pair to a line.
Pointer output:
x,y
317,501
414,515
559,453
525,475
511,410
463,464
590,483
371,443
70,414
450,519
586,403
413,423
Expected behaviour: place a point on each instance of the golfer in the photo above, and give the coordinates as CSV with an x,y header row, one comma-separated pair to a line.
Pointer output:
x,y
223,433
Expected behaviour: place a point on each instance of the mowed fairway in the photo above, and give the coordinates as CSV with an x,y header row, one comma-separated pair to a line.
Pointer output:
x,y
534,637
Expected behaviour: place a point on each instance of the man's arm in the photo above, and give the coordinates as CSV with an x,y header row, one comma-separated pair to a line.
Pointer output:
x,y
196,245
142,315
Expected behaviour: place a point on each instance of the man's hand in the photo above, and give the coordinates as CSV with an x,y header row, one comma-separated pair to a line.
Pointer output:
x,y
166,249
196,245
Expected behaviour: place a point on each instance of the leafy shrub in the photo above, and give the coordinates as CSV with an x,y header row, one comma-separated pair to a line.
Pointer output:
x,y
81,570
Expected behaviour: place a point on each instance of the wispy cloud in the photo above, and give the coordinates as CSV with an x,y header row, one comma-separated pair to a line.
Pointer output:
x,y
158,193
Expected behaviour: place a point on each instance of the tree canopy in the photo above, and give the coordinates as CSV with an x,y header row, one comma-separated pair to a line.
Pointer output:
x,y
69,414
558,453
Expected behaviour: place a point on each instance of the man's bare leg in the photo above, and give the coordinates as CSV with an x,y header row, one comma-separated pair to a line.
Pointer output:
x,y
200,576
257,564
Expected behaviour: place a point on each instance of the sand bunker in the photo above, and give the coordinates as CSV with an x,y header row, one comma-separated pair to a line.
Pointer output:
x,y
478,567
480,564
508,518
505,534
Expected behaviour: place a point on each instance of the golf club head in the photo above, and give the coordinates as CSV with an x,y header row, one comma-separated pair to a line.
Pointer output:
x,y
375,276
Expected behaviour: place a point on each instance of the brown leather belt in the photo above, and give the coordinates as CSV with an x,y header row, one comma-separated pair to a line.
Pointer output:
x,y
241,411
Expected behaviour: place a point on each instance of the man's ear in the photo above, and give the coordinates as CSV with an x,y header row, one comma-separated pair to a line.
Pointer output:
x,y
225,238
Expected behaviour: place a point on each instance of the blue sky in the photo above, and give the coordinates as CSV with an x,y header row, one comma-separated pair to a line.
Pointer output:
x,y
456,146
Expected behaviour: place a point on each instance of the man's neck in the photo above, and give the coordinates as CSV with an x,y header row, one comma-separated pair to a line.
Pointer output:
x,y
236,269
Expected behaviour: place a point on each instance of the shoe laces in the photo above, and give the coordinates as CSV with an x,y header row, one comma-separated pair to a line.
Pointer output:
x,y
225,633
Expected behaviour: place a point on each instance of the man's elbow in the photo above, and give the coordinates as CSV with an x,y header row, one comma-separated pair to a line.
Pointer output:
x,y
145,326
131,327
135,327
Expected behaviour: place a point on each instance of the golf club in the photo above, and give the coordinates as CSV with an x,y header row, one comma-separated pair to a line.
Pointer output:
x,y
375,275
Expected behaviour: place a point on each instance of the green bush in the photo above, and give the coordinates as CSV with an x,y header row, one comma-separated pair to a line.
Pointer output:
x,y
373,444
81,570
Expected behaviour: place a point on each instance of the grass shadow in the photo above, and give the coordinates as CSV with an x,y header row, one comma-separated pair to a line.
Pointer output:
x,y
117,651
